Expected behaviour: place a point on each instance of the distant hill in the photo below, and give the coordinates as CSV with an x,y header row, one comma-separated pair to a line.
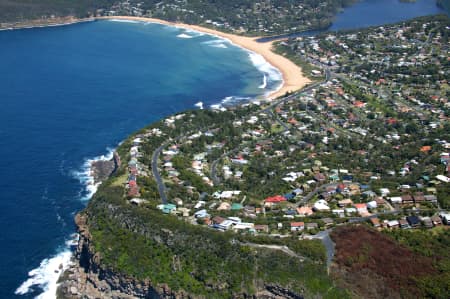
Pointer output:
x,y
24,10
241,16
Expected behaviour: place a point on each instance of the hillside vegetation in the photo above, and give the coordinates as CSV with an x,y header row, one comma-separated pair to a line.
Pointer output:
x,y
240,16
375,265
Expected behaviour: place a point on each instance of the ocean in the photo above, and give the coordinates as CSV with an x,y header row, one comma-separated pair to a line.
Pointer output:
x,y
71,93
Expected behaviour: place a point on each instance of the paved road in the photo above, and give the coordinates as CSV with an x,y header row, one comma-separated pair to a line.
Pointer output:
x,y
284,249
155,170
329,245
311,194
214,177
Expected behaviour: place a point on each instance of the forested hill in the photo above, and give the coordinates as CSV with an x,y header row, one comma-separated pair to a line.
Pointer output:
x,y
25,10
263,17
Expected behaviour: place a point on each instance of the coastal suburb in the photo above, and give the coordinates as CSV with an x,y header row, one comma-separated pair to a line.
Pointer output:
x,y
334,184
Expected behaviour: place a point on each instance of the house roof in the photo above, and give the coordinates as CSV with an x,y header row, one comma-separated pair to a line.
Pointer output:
x,y
413,220
276,198
360,205
297,224
375,221
236,206
304,211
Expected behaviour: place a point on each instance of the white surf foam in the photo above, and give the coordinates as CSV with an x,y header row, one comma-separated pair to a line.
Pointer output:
x,y
217,43
222,46
271,74
85,175
124,21
199,105
184,35
45,277
261,64
193,32
264,84
230,101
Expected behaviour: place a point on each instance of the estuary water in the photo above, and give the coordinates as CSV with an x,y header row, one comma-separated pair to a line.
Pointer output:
x,y
69,94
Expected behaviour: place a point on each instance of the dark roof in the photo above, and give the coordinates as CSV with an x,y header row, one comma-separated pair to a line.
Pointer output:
x,y
413,220
289,196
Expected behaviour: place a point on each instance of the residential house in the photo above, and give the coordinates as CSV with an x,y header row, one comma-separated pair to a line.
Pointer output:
x,y
350,211
224,206
345,202
413,221
312,225
375,222
431,198
338,212
384,191
396,200
427,222
218,220
167,208
321,206
362,209
201,214
436,220
236,207
403,223
419,198
393,224
297,226
261,228
372,204
445,218
319,177
275,199
407,199
304,211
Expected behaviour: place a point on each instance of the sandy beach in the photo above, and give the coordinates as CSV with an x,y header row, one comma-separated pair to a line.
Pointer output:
x,y
293,78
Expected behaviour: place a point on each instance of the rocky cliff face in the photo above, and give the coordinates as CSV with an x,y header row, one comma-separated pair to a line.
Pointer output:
x,y
87,278
103,169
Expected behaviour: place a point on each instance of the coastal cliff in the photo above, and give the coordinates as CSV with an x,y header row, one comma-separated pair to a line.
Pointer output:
x,y
87,277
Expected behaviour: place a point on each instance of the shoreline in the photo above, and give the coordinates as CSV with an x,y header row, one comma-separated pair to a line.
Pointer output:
x,y
292,74
42,23
293,78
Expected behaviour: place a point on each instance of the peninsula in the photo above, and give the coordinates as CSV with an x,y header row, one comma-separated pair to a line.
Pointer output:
x,y
312,194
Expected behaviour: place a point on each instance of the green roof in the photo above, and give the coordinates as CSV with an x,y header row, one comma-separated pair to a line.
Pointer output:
x,y
236,206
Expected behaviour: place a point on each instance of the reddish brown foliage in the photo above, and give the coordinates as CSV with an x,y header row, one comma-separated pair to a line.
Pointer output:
x,y
365,254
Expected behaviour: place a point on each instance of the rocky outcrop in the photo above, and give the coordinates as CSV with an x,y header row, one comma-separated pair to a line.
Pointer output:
x,y
103,169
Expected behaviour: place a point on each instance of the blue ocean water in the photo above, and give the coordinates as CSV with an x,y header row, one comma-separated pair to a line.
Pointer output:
x,y
68,94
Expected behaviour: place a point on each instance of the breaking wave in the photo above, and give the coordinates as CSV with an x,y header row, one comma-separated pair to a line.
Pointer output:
x,y
45,277
85,177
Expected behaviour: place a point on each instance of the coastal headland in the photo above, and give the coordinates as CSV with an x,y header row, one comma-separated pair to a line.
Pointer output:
x,y
293,78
